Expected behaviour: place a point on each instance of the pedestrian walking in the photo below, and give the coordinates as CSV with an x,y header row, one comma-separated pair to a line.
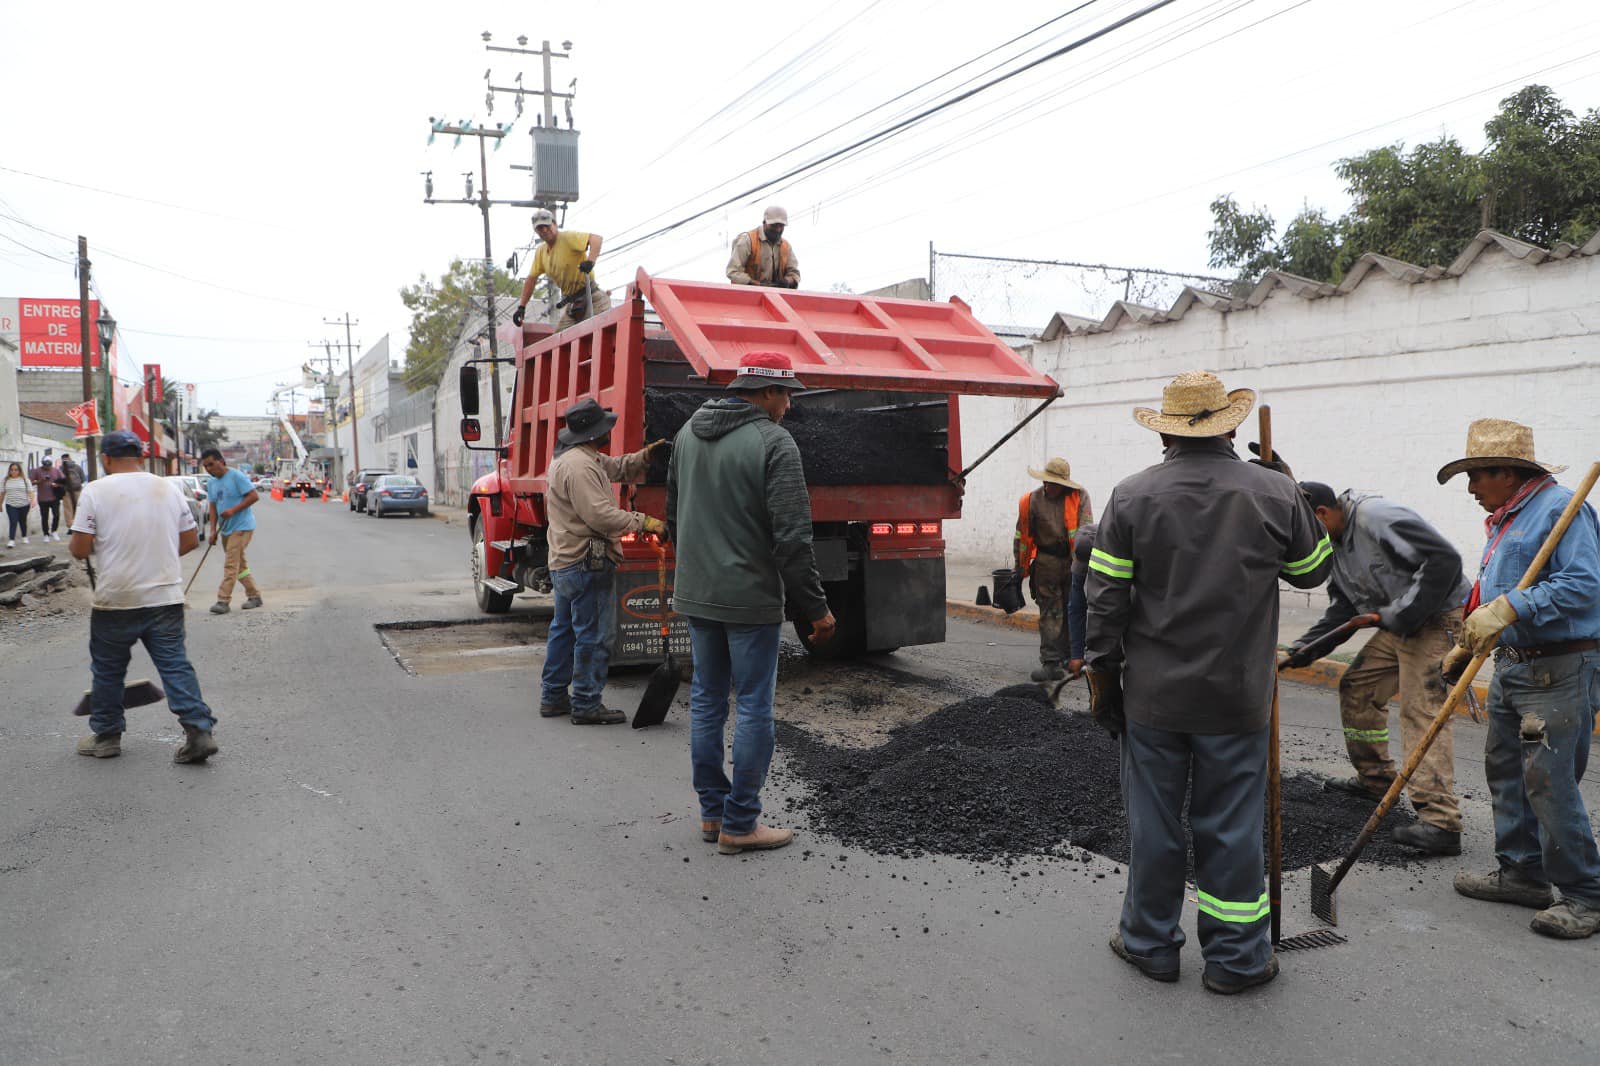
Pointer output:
x,y
740,518
1390,563
567,259
762,256
71,486
232,499
1048,519
1542,700
1182,633
137,526
18,497
46,486
584,527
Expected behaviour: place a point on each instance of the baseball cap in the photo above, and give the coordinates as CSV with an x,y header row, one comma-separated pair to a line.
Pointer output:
x,y
119,442
775,214
543,218
760,370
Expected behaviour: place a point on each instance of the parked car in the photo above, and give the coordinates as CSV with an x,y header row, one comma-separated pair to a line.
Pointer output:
x,y
358,491
187,485
195,482
396,494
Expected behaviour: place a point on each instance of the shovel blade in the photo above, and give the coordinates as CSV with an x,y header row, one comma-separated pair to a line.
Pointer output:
x,y
134,694
658,695
1323,903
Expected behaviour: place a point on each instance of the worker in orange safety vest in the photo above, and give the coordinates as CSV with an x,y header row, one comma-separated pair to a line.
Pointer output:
x,y
1048,519
763,257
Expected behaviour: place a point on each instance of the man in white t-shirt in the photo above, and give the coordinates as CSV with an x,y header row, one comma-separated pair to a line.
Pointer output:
x,y
136,525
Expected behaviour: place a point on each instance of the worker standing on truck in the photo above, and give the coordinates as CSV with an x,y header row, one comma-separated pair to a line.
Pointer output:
x,y
1183,617
1047,522
584,524
763,257
740,516
1546,681
1388,562
568,260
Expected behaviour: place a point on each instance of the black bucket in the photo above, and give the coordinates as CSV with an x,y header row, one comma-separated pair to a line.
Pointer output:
x,y
1008,590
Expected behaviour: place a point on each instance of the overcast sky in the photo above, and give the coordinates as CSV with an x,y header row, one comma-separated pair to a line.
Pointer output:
x,y
253,171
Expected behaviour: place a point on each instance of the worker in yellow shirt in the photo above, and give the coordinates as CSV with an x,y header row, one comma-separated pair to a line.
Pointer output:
x,y
568,260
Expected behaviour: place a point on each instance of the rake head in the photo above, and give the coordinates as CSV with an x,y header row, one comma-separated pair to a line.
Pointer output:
x,y
1323,904
1317,938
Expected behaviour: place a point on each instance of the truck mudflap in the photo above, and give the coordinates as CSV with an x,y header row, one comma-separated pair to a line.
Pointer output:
x,y
905,602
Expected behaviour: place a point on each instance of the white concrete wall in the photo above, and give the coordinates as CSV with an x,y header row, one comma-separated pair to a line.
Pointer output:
x,y
1372,389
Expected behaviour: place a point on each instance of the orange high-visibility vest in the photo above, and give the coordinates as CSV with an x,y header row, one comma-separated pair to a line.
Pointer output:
x,y
752,265
1026,548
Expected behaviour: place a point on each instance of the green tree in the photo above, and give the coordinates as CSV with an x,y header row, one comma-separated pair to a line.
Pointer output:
x,y
201,434
1537,179
437,309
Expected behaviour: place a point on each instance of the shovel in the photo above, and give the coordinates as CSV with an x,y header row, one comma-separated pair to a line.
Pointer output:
x,y
1325,882
1333,638
197,568
134,694
663,686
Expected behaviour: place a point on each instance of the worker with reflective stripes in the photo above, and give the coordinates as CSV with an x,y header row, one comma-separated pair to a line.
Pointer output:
x,y
763,257
1180,646
1048,519
1389,563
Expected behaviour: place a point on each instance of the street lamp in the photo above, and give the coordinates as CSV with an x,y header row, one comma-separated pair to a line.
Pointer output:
x,y
108,328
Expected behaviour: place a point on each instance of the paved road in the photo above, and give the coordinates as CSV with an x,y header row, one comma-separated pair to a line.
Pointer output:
x,y
383,868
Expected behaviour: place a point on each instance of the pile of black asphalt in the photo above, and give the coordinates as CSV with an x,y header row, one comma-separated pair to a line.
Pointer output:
x,y
1009,776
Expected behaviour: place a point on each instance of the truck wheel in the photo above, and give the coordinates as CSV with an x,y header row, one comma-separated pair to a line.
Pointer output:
x,y
489,601
847,602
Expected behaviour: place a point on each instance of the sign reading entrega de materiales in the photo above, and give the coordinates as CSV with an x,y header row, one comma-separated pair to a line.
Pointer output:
x,y
48,333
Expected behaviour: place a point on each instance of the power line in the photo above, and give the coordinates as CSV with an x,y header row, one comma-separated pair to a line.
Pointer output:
x,y
35,251
124,195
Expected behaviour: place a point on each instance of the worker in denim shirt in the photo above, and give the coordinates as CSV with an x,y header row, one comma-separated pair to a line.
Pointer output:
x,y
1546,681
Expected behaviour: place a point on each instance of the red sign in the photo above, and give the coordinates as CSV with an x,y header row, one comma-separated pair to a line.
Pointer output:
x,y
152,383
85,419
49,333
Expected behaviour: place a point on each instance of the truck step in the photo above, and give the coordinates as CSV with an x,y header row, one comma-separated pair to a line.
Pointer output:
x,y
508,545
500,584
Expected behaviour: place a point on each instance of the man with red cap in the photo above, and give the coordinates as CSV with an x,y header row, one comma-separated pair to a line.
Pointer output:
x,y
739,514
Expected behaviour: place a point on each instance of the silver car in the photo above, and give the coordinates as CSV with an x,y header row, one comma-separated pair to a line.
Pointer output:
x,y
193,494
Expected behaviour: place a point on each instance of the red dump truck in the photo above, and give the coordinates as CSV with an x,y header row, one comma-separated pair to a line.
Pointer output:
x,y
879,432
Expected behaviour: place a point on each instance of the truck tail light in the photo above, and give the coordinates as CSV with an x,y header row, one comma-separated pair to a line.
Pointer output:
x,y
881,529
628,538
906,529
929,529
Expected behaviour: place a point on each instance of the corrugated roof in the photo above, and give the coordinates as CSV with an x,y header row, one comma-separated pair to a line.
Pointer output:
x,y
45,411
1062,324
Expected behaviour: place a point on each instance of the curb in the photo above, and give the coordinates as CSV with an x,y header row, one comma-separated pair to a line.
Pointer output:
x,y
1325,673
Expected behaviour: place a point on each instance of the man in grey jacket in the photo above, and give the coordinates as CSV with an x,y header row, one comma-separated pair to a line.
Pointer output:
x,y
1389,562
1183,603
740,518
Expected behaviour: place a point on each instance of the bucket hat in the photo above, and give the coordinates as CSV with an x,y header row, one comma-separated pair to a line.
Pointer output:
x,y
585,421
1497,442
1058,472
1195,404
760,370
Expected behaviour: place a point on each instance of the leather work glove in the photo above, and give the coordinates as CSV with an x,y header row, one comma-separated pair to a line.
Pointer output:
x,y
1454,664
516,316
1275,463
586,266
1298,656
655,526
1484,625
1105,699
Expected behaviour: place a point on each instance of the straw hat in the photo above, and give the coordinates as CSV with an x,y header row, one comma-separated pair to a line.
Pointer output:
x,y
1497,442
1196,405
1058,472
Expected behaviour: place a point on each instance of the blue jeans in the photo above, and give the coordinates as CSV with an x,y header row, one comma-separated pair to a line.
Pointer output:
x,y
1541,715
112,635
578,650
742,660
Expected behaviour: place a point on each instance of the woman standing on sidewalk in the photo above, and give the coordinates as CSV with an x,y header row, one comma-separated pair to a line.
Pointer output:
x,y
18,499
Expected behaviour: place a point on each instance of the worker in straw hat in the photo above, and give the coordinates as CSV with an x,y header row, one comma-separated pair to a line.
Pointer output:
x,y
762,256
1181,637
1546,679
1048,519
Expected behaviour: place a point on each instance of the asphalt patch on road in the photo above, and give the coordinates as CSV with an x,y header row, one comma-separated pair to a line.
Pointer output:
x,y
998,778
468,645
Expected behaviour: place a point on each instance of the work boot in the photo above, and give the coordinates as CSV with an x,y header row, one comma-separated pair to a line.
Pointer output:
x,y
761,838
108,746
1567,920
219,608
1428,838
1223,983
599,716
1157,969
198,746
1354,785
1506,885
709,831
554,710
1048,672
252,603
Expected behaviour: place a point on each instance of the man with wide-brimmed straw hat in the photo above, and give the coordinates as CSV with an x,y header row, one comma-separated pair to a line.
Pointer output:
x,y
1182,634
1546,679
584,524
1048,519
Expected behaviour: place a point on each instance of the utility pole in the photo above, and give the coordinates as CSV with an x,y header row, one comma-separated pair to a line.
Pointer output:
x,y
330,405
89,471
350,356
